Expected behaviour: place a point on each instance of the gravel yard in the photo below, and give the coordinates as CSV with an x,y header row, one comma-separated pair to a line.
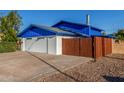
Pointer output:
x,y
109,68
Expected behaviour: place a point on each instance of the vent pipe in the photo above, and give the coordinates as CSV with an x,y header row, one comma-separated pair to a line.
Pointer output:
x,y
88,19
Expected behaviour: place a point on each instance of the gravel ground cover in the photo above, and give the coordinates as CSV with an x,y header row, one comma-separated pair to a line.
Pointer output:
x,y
106,69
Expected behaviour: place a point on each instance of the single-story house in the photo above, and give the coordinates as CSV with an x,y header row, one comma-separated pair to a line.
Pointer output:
x,y
66,38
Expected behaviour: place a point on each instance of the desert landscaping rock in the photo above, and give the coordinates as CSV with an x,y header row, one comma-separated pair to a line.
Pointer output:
x,y
110,68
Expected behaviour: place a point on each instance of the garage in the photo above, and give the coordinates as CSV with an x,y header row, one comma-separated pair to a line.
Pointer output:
x,y
36,45
41,44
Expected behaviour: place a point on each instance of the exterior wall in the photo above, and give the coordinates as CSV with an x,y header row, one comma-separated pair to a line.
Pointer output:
x,y
51,47
118,47
58,45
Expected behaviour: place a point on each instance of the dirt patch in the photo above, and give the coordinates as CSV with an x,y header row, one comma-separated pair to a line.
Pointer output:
x,y
109,68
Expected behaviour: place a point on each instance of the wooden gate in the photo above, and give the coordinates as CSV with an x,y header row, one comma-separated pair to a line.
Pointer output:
x,y
70,46
102,46
77,47
98,47
88,47
107,46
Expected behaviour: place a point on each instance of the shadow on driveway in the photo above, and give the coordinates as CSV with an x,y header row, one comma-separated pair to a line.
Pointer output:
x,y
113,79
54,67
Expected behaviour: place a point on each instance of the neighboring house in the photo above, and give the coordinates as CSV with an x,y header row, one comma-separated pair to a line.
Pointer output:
x,y
65,38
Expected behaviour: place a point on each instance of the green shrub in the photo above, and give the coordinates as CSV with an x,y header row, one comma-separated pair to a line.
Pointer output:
x,y
7,47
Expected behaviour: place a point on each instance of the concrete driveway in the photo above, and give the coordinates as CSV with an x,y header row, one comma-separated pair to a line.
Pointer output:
x,y
24,66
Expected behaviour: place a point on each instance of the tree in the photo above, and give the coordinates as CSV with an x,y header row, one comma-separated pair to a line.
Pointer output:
x,y
10,25
103,33
120,35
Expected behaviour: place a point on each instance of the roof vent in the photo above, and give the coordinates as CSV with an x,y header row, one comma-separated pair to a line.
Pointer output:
x,y
88,19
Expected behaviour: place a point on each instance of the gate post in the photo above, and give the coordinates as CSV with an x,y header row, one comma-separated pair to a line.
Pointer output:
x,y
93,49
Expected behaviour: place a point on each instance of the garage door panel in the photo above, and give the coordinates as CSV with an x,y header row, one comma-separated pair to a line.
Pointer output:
x,y
36,45
28,44
41,45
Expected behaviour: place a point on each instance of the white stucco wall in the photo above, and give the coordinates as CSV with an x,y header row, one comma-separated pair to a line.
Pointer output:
x,y
51,45
58,45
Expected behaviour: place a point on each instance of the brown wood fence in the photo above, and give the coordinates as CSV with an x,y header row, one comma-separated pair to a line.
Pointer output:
x,y
70,46
98,47
107,48
88,47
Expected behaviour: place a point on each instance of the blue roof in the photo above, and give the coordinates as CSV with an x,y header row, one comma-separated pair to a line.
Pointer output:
x,y
78,25
80,28
62,28
39,30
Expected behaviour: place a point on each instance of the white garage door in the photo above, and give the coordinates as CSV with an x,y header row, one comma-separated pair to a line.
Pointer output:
x,y
36,45
43,45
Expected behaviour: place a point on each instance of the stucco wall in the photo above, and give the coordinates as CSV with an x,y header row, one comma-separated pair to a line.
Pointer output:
x,y
51,45
118,47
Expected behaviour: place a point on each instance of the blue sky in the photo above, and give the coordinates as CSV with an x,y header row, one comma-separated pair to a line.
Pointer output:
x,y
109,20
